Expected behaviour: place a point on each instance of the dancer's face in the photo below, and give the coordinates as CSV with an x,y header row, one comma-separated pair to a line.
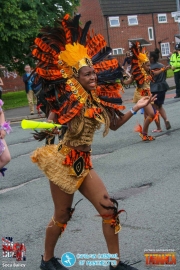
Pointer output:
x,y
87,78
146,66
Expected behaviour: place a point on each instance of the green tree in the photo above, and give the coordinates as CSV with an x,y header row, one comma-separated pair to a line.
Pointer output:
x,y
20,23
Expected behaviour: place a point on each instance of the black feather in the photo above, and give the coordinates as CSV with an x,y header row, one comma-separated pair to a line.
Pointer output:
x,y
75,28
109,75
84,33
101,55
40,136
111,100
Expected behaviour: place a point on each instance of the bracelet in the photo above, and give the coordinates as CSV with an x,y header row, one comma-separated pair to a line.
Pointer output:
x,y
132,111
6,127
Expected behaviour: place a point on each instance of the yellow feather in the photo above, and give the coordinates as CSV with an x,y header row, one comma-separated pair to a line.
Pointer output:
x,y
142,57
73,53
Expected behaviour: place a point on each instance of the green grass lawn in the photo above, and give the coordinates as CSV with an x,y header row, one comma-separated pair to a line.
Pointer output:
x,y
14,100
170,73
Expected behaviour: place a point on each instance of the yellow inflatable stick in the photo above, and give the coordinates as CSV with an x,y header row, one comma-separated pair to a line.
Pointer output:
x,y
28,124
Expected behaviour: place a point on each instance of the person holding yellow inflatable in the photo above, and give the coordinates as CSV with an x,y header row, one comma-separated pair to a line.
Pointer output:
x,y
82,92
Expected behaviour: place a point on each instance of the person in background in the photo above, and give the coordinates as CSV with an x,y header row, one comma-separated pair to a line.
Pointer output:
x,y
159,87
5,128
142,74
28,88
128,61
1,84
168,58
175,66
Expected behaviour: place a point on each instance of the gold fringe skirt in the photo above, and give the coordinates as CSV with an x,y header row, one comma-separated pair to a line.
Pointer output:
x,y
137,95
50,158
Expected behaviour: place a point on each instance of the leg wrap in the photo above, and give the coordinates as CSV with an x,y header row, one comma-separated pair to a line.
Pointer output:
x,y
64,225
114,218
150,119
114,222
60,225
155,118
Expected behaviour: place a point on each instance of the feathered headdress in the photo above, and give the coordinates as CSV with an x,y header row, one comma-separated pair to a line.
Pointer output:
x,y
61,52
138,59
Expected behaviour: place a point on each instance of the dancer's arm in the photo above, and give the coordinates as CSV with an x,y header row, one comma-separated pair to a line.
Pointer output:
x,y
51,117
157,72
2,117
2,121
128,81
121,120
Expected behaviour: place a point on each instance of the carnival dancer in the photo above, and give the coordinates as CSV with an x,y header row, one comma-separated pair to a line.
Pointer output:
x,y
5,128
159,87
79,84
128,61
143,75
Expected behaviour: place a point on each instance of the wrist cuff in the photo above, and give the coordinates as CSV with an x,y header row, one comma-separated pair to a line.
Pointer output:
x,y
133,112
6,127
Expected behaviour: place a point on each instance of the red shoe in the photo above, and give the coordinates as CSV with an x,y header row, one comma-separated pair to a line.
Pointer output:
x,y
143,137
146,137
151,138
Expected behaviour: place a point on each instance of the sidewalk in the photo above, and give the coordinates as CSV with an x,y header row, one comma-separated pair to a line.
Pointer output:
x,y
18,114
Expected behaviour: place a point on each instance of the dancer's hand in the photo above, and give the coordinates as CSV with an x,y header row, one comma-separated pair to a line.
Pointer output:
x,y
2,134
144,101
167,67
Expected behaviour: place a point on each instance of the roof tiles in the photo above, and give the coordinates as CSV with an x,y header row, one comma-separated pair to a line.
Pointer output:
x,y
133,7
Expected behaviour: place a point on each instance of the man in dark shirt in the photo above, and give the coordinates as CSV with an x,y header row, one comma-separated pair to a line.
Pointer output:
x,y
28,88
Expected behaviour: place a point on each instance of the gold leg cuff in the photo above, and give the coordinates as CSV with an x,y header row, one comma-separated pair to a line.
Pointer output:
x,y
61,225
114,224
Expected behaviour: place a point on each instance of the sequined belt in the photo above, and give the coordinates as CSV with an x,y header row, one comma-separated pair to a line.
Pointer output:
x,y
78,160
144,92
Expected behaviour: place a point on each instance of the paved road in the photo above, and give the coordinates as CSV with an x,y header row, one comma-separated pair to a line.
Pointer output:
x,y
144,177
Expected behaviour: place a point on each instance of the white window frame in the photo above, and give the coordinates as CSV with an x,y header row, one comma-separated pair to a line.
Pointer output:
x,y
151,28
177,19
164,50
162,15
116,50
114,18
132,17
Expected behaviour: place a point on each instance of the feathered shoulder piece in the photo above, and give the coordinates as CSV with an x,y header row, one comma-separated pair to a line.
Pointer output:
x,y
139,57
61,52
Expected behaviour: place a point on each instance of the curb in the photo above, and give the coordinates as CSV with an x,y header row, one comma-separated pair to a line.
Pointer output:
x,y
32,117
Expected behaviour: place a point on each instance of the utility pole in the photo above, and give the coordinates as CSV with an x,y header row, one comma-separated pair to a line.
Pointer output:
x,y
178,5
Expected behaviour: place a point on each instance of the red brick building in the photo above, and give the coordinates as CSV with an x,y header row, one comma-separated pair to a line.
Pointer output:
x,y
121,21
11,80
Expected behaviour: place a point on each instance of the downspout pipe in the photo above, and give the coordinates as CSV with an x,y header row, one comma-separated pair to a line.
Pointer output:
x,y
154,30
107,28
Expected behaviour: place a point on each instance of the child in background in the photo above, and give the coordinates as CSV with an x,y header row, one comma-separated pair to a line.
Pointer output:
x,y
5,128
